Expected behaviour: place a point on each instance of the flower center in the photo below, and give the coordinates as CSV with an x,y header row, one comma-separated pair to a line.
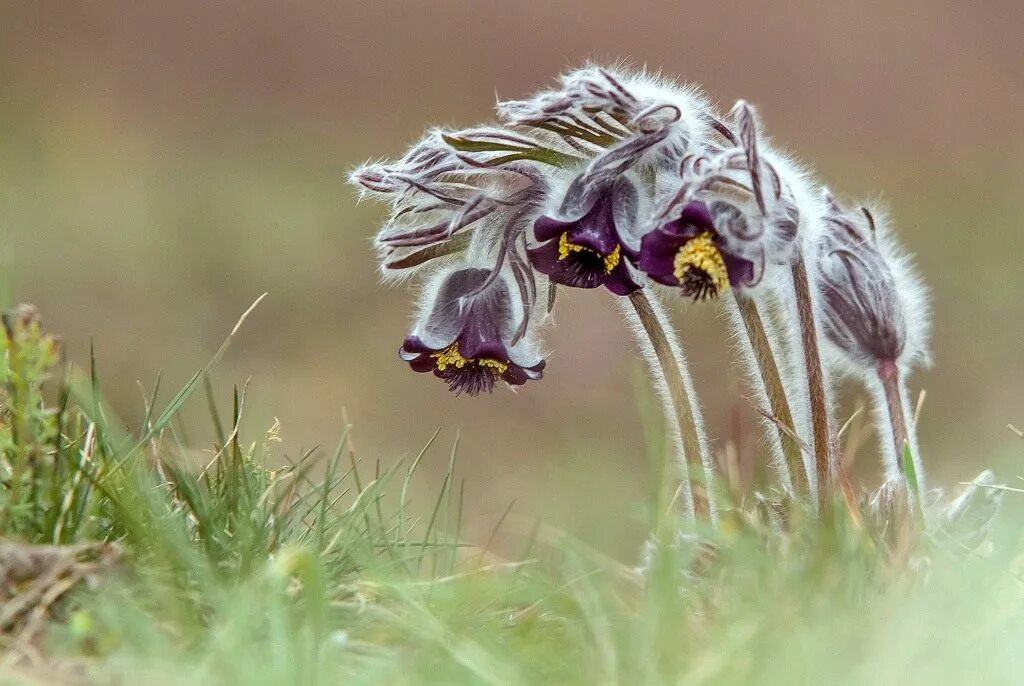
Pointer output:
x,y
611,260
700,268
451,357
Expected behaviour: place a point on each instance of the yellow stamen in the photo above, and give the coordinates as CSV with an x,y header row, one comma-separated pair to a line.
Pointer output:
x,y
700,253
451,356
611,260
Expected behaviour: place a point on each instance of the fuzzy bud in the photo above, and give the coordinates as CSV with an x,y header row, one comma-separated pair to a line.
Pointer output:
x,y
871,301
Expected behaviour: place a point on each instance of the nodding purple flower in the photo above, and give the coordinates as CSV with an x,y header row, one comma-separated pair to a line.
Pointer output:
x,y
470,338
587,247
688,252
748,194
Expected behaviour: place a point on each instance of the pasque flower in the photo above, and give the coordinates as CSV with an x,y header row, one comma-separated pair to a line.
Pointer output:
x,y
689,253
469,335
616,179
738,201
762,208
585,245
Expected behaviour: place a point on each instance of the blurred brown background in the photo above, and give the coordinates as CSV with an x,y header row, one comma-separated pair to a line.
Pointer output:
x,y
162,164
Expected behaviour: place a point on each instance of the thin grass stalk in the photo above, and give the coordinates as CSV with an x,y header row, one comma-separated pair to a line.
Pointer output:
x,y
672,376
911,413
791,464
823,457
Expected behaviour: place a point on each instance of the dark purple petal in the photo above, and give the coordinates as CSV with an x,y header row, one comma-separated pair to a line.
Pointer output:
x,y
620,282
478,354
479,342
422,363
451,306
517,376
546,228
658,251
579,253
414,346
595,230
580,270
741,271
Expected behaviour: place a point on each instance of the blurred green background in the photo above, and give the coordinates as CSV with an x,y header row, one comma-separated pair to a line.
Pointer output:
x,y
162,164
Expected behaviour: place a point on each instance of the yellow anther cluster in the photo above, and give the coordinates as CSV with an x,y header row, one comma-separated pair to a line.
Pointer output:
x,y
700,253
451,356
611,260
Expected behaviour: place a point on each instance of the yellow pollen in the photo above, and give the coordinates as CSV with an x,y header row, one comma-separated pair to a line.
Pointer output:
x,y
700,253
451,356
611,260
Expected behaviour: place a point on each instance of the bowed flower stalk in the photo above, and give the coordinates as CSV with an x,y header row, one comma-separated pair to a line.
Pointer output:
x,y
775,222
590,239
876,321
622,182
551,196
589,246
729,224
669,371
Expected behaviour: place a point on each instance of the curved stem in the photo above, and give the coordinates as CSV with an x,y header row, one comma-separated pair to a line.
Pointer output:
x,y
774,391
823,453
679,410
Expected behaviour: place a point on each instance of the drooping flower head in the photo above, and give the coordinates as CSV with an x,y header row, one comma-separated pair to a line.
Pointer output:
x,y
630,128
468,334
586,245
731,216
689,253
560,192
873,309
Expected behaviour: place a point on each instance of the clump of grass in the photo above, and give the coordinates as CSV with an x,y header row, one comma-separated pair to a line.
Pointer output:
x,y
247,567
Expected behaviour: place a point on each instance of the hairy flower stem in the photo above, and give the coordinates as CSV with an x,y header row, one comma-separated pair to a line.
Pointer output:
x,y
823,458
889,376
774,389
672,370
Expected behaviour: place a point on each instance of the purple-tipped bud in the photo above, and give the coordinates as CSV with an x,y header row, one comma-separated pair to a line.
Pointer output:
x,y
469,335
585,246
865,312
